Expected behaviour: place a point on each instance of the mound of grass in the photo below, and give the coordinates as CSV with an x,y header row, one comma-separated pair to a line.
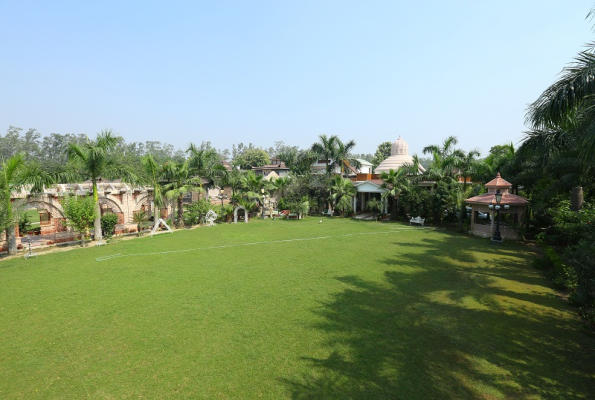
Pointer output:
x,y
280,309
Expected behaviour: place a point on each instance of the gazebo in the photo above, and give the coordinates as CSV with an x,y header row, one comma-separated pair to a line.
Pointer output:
x,y
483,212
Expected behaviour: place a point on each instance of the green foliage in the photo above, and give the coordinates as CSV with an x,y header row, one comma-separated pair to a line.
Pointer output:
x,y
108,223
251,158
24,223
382,153
195,212
139,218
80,213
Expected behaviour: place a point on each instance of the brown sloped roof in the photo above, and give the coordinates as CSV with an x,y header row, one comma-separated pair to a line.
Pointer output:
x,y
490,198
498,182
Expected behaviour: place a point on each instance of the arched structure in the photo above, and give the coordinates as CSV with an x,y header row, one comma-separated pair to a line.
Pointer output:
x,y
399,156
235,214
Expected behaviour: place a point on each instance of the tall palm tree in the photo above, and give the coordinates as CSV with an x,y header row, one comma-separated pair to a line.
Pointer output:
x,y
154,174
14,174
205,164
334,151
444,159
467,166
179,182
568,100
397,182
233,179
95,160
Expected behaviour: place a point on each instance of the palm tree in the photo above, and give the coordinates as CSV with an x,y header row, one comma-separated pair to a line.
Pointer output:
x,y
444,159
139,218
467,166
95,160
205,164
397,182
179,182
154,172
334,151
568,101
14,174
233,179
342,193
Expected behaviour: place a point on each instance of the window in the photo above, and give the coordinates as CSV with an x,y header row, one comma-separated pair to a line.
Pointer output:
x,y
44,217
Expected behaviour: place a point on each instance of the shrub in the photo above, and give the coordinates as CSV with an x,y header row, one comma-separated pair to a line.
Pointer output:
x,y
108,223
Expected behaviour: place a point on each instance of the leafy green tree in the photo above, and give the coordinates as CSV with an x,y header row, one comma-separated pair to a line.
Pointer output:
x,y
96,160
108,224
14,174
80,212
252,158
382,153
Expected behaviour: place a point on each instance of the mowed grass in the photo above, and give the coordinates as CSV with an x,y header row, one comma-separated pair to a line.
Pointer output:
x,y
357,310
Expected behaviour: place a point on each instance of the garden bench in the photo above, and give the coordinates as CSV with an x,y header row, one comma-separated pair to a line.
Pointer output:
x,y
328,213
417,220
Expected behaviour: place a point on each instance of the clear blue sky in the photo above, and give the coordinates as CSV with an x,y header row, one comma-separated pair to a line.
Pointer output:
x,y
241,71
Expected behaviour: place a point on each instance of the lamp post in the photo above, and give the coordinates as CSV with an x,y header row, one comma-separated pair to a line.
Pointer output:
x,y
498,197
222,196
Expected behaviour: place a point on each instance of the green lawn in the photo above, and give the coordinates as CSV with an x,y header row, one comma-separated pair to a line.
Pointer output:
x,y
361,310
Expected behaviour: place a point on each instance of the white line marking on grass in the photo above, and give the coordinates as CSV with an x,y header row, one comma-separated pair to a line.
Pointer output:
x,y
393,230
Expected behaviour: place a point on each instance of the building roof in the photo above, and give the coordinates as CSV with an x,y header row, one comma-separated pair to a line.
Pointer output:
x,y
271,166
399,156
490,198
498,182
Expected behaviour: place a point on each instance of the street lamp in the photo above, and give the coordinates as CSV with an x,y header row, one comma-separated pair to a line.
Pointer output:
x,y
498,197
222,196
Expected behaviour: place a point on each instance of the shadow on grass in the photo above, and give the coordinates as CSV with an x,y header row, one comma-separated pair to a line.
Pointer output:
x,y
447,331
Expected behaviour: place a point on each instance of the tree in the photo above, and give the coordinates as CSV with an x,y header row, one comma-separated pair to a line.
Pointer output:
x,y
335,152
396,182
382,153
342,193
108,223
139,218
205,164
153,172
467,166
444,159
14,174
95,160
80,212
180,181
251,158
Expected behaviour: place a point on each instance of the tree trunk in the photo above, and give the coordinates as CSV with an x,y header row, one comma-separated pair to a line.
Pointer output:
x,y
11,238
157,216
97,222
173,214
180,212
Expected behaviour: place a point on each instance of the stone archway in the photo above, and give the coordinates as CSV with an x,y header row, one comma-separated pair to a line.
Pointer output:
x,y
235,214
110,205
54,219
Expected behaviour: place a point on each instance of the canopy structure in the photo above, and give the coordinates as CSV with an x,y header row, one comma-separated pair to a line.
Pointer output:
x,y
483,217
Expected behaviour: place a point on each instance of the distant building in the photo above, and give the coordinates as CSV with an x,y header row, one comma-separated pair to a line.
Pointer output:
x,y
275,169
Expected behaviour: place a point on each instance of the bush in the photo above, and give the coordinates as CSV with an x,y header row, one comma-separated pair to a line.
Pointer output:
x,y
108,223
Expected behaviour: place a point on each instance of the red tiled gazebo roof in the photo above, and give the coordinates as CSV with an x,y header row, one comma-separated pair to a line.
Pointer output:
x,y
498,182
490,198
